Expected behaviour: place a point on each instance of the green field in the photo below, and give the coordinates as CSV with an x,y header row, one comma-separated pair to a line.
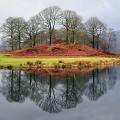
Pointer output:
x,y
16,61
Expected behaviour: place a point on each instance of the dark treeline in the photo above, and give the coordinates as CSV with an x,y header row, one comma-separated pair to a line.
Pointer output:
x,y
52,23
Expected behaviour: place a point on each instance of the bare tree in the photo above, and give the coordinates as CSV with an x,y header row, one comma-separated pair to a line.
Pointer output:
x,y
75,25
48,19
66,21
95,28
108,42
33,29
100,34
20,27
81,33
8,30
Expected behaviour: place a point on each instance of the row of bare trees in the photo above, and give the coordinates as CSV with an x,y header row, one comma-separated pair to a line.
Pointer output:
x,y
53,23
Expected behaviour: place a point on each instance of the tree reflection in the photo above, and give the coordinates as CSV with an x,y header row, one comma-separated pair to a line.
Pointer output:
x,y
13,88
72,94
94,88
100,82
54,94
50,103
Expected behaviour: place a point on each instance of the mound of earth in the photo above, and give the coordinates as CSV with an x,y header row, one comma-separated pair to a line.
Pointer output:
x,y
59,49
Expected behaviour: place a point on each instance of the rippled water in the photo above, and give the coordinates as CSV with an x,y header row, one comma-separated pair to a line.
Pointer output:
x,y
89,96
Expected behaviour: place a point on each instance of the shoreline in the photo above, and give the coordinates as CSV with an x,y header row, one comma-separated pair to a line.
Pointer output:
x,y
51,62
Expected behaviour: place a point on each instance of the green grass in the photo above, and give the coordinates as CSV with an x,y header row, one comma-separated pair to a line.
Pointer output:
x,y
15,61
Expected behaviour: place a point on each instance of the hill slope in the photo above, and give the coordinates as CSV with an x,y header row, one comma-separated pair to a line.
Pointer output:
x,y
59,49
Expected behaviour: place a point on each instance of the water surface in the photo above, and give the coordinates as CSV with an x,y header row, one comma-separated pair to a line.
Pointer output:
x,y
89,96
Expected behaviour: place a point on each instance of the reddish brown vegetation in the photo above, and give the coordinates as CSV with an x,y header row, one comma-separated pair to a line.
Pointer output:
x,y
59,49
59,73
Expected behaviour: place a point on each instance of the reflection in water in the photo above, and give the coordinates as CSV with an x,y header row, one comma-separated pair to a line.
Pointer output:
x,y
53,94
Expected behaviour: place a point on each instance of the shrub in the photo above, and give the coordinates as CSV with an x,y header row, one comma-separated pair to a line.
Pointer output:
x,y
29,63
38,62
21,65
9,67
63,66
60,61
81,64
1,67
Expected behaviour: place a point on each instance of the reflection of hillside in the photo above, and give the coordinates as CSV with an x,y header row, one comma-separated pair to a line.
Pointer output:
x,y
53,94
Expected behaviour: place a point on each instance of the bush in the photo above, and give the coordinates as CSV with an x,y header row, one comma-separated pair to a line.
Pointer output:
x,y
63,66
60,61
38,62
81,64
29,63
1,67
9,67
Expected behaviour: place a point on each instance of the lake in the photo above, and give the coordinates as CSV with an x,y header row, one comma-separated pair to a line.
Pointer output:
x,y
93,95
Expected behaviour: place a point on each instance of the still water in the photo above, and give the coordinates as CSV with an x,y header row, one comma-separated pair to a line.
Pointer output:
x,y
89,96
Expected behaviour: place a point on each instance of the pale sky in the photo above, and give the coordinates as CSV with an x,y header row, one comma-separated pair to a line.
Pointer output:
x,y
105,10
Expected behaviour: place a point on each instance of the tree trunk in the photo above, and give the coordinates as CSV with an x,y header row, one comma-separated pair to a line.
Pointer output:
x,y
12,47
97,42
97,45
93,44
30,37
50,38
12,42
19,41
67,36
73,36
34,40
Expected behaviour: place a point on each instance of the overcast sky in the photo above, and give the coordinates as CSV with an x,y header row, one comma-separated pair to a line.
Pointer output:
x,y
105,10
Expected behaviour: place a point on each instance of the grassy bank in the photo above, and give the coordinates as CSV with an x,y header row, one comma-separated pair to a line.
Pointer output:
x,y
16,62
